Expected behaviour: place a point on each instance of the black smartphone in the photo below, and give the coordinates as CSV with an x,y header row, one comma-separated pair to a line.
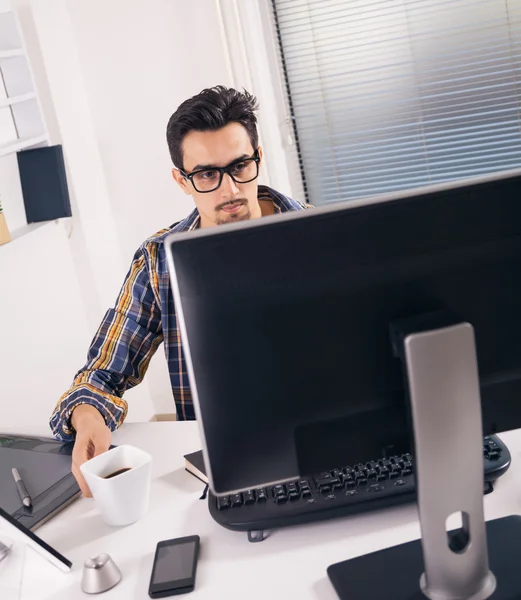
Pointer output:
x,y
175,565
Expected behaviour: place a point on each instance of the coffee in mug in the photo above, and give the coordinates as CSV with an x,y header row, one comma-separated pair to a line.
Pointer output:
x,y
116,473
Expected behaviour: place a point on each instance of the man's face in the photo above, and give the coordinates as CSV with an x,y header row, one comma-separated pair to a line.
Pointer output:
x,y
231,201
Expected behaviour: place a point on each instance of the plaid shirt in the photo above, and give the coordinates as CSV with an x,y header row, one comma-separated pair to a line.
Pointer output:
x,y
130,333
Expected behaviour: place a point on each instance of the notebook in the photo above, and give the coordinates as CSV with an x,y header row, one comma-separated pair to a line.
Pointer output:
x,y
45,467
194,464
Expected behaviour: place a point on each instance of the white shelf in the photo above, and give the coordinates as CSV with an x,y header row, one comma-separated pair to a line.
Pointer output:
x,y
11,53
17,99
21,144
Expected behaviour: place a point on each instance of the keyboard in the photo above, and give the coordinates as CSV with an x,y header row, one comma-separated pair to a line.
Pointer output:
x,y
339,492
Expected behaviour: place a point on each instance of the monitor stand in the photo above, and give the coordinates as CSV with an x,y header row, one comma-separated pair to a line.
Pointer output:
x,y
445,408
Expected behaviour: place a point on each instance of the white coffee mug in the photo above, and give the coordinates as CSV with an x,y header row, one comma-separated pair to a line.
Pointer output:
x,y
119,480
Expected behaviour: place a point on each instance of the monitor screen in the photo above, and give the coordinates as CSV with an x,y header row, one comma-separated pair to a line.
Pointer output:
x,y
285,323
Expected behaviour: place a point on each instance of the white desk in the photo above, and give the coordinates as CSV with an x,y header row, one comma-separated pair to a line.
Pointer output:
x,y
291,563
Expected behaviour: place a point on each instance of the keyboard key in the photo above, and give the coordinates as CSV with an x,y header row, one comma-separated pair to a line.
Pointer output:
x,y
303,484
338,486
407,471
236,500
249,497
400,482
338,474
278,489
494,455
223,503
382,476
361,481
281,498
293,495
394,474
292,487
306,494
324,481
324,489
371,474
261,494
349,471
324,475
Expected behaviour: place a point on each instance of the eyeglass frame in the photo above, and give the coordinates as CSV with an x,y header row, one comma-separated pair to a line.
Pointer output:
x,y
222,170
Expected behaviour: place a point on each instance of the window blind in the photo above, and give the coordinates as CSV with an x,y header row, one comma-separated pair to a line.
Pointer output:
x,y
393,94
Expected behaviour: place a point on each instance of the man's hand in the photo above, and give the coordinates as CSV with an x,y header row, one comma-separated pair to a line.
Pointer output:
x,y
93,437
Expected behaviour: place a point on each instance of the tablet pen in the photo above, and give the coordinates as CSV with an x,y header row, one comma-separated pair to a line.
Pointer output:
x,y
22,490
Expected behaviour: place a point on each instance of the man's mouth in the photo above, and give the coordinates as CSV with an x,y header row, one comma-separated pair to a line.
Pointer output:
x,y
232,207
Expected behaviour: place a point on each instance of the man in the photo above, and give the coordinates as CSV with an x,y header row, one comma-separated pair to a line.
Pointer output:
x,y
213,142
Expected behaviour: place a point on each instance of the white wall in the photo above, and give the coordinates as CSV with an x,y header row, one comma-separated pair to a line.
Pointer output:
x,y
140,60
43,332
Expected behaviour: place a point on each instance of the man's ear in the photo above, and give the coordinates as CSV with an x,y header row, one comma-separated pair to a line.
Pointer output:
x,y
259,151
181,181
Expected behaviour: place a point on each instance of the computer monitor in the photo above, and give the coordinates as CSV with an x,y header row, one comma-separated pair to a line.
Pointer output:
x,y
286,320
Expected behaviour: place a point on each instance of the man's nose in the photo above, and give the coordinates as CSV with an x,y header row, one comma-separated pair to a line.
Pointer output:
x,y
228,186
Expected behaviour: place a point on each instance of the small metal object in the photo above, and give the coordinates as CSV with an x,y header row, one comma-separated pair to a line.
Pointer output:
x,y
100,574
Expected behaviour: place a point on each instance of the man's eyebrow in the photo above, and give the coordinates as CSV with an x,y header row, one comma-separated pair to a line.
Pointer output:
x,y
209,167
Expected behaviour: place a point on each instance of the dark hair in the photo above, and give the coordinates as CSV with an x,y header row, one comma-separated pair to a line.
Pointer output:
x,y
210,110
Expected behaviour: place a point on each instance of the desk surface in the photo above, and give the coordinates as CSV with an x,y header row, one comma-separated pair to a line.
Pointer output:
x,y
291,563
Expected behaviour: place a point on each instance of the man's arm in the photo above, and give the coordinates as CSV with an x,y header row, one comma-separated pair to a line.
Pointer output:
x,y
120,353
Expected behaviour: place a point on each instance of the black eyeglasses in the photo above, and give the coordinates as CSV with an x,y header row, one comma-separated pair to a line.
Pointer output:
x,y
243,170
